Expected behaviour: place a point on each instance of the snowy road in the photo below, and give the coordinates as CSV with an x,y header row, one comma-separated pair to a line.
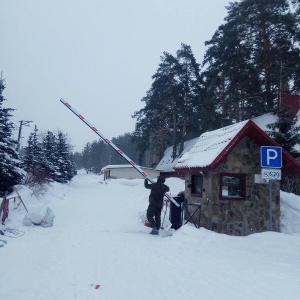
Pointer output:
x,y
97,238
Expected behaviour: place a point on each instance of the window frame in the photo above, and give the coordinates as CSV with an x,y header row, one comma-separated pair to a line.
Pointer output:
x,y
193,182
242,186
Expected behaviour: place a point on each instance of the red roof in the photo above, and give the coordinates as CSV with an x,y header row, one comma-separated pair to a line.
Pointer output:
x,y
290,165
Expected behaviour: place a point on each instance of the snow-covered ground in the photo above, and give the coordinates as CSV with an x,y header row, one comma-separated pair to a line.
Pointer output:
x,y
98,239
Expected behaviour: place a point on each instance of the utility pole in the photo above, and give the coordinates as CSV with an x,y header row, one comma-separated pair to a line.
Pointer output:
x,y
22,123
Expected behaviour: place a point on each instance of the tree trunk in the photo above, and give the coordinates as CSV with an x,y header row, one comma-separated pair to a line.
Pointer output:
x,y
267,66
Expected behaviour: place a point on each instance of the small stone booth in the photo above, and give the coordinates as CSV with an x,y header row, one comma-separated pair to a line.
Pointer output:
x,y
219,172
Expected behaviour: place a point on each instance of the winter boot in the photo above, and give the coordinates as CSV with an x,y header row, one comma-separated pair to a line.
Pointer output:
x,y
154,231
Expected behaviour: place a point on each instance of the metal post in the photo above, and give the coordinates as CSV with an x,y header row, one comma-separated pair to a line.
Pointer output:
x,y
270,205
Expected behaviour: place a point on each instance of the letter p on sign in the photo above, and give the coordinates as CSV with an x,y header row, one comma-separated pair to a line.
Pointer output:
x,y
271,157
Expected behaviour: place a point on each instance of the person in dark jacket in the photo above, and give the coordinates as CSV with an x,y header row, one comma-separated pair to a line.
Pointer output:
x,y
156,202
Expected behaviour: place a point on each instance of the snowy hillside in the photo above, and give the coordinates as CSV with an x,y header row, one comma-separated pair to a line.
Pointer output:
x,y
99,249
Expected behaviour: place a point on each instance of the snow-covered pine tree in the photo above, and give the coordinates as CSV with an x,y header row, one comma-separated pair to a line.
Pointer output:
x,y
49,148
28,155
251,57
34,160
173,107
190,103
77,158
66,169
11,172
285,131
86,158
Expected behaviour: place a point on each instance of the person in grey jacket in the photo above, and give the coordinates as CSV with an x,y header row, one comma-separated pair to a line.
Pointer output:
x,y
156,202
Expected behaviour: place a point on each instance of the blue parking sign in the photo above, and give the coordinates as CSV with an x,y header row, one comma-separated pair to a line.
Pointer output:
x,y
271,157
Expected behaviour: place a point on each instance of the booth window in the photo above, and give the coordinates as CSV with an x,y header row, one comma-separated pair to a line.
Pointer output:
x,y
196,184
232,186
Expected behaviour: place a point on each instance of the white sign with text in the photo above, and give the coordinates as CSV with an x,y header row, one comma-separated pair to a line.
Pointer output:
x,y
271,174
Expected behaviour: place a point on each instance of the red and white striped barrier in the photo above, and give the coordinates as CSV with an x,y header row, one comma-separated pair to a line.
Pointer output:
x,y
110,143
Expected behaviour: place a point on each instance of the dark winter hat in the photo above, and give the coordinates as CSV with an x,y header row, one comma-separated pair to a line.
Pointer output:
x,y
161,179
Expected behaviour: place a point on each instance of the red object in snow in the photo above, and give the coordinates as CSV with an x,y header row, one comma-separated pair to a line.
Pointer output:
x,y
4,210
147,223
97,286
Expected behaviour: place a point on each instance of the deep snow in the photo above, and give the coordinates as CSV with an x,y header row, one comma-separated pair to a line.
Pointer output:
x,y
98,239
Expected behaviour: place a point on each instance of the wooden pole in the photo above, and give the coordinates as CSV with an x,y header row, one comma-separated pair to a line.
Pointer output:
x,y
15,189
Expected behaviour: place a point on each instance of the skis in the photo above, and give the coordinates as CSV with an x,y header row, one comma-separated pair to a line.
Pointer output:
x,y
111,144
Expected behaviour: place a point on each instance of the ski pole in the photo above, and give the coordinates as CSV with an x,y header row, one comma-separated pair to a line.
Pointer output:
x,y
162,225
111,144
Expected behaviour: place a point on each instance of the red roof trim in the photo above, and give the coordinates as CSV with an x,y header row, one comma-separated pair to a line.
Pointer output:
x,y
258,136
232,144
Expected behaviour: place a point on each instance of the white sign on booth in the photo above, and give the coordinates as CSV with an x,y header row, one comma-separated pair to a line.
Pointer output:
x,y
271,174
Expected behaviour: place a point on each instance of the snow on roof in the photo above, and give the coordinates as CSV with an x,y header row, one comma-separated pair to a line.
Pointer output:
x,y
167,163
201,151
264,120
208,146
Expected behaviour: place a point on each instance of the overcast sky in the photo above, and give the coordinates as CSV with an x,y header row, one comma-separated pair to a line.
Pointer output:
x,y
97,55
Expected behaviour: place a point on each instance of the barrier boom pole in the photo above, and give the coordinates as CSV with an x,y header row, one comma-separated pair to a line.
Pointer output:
x,y
111,144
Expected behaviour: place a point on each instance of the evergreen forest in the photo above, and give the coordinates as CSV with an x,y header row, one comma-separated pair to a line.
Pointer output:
x,y
251,59
44,159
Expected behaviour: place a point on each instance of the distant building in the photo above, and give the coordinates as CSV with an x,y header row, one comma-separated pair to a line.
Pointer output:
x,y
127,171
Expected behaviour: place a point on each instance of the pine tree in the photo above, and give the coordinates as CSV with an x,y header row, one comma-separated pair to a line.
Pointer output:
x,y
190,105
296,66
49,146
28,155
48,160
285,131
11,172
66,169
77,158
230,80
152,128
98,154
34,161
173,108
246,56
95,156
125,143
166,87
86,158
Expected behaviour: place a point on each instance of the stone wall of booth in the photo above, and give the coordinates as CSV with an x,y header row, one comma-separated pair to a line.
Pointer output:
x,y
237,217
